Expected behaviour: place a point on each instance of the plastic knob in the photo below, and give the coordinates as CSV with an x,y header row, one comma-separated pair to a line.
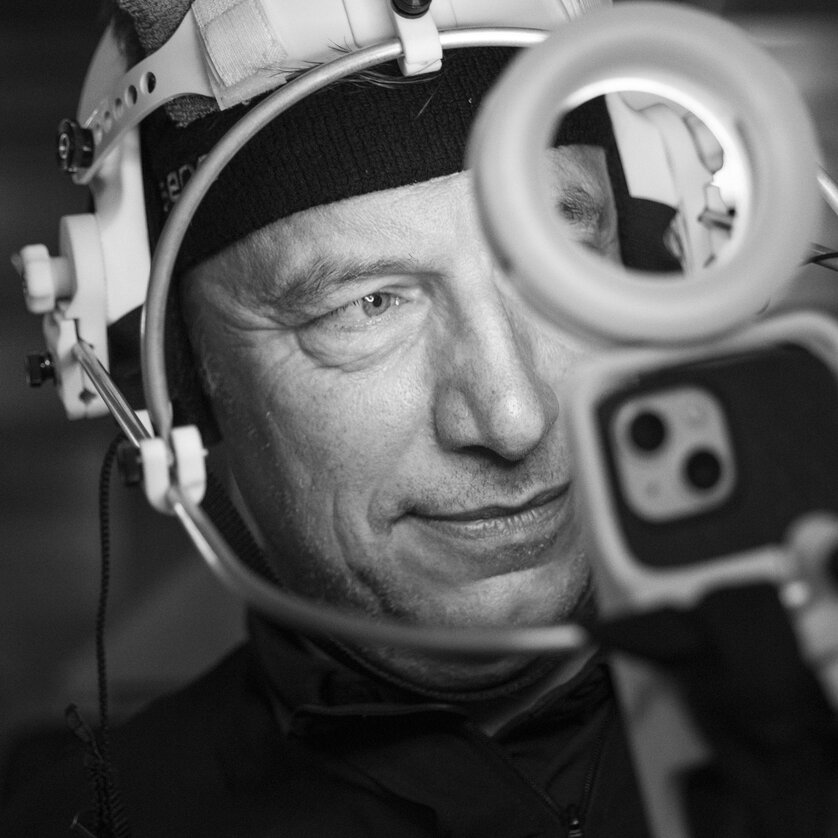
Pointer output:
x,y
45,279
74,146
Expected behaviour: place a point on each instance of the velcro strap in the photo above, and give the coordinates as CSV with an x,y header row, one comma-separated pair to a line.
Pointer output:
x,y
243,53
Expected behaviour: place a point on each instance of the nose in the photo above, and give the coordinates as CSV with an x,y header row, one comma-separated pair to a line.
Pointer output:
x,y
491,396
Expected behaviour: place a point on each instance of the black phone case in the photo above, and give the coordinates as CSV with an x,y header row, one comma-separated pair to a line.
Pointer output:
x,y
781,406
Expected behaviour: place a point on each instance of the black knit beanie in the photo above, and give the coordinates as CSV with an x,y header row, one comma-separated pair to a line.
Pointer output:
x,y
349,139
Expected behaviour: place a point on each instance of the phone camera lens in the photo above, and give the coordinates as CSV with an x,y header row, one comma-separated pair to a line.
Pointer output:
x,y
703,469
647,431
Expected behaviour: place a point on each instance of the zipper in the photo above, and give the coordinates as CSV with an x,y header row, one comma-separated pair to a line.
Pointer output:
x,y
488,745
574,822
575,814
572,816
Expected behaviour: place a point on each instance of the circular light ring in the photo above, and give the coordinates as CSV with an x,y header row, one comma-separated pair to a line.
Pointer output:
x,y
742,95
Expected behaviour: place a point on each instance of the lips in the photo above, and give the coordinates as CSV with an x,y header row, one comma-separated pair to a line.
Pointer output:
x,y
499,536
501,511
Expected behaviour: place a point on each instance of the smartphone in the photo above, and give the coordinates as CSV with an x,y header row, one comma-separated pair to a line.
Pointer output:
x,y
692,465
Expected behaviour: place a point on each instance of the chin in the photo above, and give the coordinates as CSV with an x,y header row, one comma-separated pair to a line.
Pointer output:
x,y
500,603
536,596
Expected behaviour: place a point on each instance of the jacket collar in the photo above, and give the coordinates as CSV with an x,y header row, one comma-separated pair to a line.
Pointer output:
x,y
310,688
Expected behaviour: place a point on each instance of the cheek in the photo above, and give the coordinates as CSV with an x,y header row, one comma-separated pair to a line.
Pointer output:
x,y
555,353
321,436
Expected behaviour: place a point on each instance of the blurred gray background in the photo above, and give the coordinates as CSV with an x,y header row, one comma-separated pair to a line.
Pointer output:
x,y
167,618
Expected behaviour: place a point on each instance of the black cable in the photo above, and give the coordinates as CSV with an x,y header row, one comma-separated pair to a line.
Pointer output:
x,y
111,819
104,586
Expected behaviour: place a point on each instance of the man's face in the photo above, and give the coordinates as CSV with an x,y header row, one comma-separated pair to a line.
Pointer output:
x,y
392,418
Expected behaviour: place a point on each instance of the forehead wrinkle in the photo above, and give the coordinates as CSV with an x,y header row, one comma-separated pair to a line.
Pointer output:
x,y
294,261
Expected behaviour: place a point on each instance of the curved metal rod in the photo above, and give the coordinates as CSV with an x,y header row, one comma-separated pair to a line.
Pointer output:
x,y
125,416
325,620
291,610
829,189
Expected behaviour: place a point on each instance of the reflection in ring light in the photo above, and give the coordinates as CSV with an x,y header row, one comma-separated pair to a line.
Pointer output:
x,y
670,156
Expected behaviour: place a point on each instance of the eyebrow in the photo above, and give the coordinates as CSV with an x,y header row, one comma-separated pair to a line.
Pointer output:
x,y
578,205
304,287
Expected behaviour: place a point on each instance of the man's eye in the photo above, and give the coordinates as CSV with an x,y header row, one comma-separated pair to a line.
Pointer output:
x,y
377,303
368,307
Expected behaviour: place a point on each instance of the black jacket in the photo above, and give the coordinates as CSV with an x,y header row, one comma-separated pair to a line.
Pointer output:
x,y
275,742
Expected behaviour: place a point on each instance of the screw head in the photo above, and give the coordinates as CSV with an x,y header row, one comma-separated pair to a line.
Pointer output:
x,y
411,8
74,146
39,368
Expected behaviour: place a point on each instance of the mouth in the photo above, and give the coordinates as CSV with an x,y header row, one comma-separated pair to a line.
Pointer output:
x,y
501,530
499,511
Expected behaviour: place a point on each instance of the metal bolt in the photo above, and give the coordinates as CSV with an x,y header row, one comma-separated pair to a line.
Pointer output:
x,y
411,8
74,146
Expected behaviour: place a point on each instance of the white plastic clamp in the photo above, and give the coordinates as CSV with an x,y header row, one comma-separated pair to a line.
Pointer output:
x,y
46,279
182,464
69,290
420,42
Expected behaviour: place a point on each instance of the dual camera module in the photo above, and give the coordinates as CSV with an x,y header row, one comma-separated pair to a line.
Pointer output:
x,y
673,453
